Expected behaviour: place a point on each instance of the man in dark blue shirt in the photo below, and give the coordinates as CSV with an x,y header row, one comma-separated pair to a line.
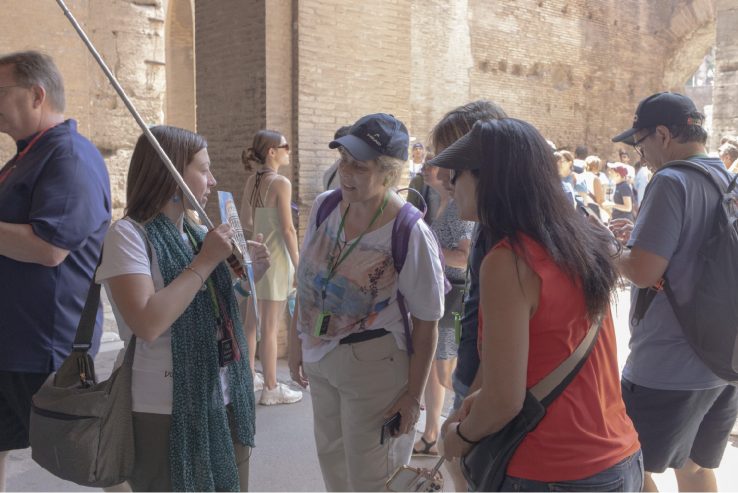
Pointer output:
x,y
54,212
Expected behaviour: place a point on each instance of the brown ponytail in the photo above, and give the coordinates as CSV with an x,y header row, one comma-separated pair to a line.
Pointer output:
x,y
255,155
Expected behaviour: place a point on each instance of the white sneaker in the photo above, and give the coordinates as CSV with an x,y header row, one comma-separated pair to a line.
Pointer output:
x,y
258,382
281,394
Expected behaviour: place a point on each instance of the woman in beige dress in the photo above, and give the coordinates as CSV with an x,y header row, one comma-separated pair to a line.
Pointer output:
x,y
266,210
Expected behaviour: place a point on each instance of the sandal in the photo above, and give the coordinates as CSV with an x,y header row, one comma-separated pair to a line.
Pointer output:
x,y
426,450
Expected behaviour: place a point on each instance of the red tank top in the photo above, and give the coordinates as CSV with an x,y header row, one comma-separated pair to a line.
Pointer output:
x,y
586,429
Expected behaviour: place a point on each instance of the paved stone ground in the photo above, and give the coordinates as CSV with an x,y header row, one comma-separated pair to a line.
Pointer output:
x,y
285,459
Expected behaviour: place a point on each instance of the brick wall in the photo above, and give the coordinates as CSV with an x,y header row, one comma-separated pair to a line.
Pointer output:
x,y
725,116
354,59
231,84
279,68
575,69
441,81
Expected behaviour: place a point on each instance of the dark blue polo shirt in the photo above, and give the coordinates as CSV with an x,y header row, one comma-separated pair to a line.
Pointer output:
x,y
467,363
61,188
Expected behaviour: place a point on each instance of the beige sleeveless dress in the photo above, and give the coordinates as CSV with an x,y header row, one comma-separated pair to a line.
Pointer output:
x,y
277,281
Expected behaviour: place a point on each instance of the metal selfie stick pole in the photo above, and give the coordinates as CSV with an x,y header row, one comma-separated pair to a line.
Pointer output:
x,y
241,264
163,155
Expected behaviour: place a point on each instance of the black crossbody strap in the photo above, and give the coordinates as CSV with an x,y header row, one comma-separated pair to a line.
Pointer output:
x,y
86,326
555,382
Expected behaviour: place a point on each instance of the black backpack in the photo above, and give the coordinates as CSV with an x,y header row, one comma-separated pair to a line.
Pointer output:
x,y
709,318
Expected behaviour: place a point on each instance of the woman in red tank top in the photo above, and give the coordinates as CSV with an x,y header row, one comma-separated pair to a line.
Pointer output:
x,y
549,274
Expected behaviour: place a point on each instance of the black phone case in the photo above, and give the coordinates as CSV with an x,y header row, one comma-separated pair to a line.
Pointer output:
x,y
388,427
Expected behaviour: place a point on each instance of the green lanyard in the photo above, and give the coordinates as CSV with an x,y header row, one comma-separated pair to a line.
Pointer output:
x,y
333,263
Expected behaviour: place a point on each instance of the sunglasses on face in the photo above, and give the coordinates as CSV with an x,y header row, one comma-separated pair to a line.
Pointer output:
x,y
286,147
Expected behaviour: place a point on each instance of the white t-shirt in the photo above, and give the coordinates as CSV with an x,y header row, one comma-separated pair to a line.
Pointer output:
x,y
414,168
125,253
363,293
589,179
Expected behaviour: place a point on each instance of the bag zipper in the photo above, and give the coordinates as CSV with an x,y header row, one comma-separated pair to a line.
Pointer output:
x,y
57,415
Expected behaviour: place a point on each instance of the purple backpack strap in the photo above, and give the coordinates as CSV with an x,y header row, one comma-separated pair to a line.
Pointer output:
x,y
404,223
326,207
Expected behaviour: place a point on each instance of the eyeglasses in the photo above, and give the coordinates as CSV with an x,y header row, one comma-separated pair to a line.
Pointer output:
x,y
286,147
638,145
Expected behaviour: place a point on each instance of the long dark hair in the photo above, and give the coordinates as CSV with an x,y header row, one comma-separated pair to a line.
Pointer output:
x,y
519,192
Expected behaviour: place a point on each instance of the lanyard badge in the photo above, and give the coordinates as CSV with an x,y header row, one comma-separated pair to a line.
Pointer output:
x,y
321,323
324,317
226,349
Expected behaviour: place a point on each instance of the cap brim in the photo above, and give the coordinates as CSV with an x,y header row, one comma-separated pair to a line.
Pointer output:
x,y
462,154
627,136
359,150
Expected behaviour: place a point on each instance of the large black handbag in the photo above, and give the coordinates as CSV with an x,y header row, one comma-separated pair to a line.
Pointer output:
x,y
485,465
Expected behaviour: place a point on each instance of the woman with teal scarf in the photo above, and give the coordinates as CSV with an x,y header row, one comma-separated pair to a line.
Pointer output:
x,y
171,292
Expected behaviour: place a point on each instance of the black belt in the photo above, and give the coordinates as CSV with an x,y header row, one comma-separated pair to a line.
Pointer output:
x,y
366,335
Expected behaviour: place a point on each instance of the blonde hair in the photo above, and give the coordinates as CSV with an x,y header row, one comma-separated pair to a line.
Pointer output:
x,y
728,149
386,164
565,155
593,163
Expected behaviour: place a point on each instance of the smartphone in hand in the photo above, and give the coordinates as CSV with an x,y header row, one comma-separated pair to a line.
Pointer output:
x,y
390,427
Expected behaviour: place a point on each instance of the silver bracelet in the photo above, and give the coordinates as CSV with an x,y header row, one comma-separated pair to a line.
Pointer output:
x,y
202,279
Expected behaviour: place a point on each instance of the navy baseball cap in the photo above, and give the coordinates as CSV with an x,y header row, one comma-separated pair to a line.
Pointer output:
x,y
375,135
663,108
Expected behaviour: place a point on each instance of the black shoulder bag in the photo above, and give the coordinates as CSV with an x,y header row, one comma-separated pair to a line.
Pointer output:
x,y
485,466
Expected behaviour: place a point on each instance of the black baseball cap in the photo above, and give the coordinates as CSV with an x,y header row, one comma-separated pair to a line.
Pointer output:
x,y
375,135
663,108
465,153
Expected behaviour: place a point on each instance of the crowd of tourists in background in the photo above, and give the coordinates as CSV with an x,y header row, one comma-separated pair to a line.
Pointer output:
x,y
489,277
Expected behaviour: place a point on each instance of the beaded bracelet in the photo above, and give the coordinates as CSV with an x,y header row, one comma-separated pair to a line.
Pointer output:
x,y
458,432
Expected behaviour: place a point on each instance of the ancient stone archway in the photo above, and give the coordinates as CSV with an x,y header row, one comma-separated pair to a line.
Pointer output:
x,y
180,65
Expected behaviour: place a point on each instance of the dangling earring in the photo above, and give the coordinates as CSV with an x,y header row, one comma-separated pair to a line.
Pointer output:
x,y
175,198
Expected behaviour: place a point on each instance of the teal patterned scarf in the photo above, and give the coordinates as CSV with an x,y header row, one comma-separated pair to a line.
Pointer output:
x,y
200,446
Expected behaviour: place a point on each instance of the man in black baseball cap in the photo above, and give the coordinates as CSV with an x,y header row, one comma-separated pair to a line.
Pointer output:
x,y
662,108
375,135
683,412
